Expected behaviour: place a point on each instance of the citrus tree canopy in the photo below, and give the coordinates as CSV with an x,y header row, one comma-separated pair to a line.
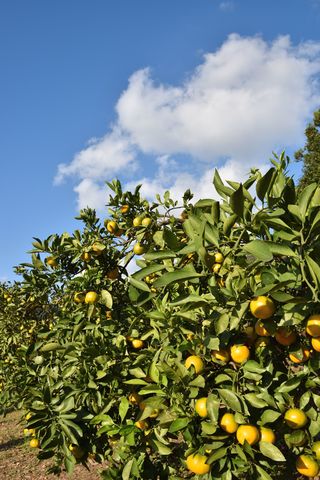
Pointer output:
x,y
203,362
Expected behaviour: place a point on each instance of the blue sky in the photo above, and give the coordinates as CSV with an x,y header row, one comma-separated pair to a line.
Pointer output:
x,y
153,92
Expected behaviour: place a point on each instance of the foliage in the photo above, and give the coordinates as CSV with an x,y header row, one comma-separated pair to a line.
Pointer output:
x,y
92,390
310,153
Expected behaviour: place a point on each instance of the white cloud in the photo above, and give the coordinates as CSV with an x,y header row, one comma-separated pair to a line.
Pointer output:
x,y
102,158
242,101
170,175
91,193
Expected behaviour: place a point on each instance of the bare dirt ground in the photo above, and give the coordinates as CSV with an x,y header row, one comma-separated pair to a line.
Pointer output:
x,y
19,462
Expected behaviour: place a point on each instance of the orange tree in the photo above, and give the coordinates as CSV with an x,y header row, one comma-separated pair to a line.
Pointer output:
x,y
205,360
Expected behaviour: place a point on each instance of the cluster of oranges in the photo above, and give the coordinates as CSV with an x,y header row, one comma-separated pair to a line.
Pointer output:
x,y
293,417
113,228
262,308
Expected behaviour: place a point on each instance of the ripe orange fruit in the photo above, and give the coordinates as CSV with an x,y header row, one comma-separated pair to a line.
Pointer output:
x,y
138,249
315,342
228,423
316,449
196,362
124,209
218,257
146,222
34,443
201,407
112,226
86,257
267,435
216,267
142,424
313,326
222,355
295,418
307,466
137,221
91,297
261,330
79,297
196,463
239,353
262,307
137,343
285,336
51,261
305,355
248,433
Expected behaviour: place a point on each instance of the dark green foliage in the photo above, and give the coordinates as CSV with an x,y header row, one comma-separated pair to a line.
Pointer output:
x,y
310,153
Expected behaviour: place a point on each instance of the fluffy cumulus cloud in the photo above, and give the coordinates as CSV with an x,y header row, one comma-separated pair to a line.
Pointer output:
x,y
242,101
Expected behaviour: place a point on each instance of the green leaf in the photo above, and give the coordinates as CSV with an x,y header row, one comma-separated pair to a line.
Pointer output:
x,y
211,235
230,399
139,284
222,323
314,269
215,212
183,300
295,211
269,416
264,183
253,366
170,239
178,424
123,408
220,453
290,384
263,474
199,382
161,254
147,271
162,449
255,401
177,276
229,223
271,451
51,346
213,408
220,187
204,203
305,198
259,249
237,201
127,470
106,298
280,249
